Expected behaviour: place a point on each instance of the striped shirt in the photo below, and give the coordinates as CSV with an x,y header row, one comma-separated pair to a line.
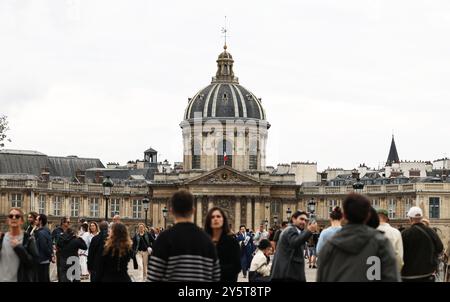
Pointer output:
x,y
183,253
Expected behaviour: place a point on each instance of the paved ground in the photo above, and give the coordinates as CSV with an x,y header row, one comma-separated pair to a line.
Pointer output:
x,y
137,275
310,275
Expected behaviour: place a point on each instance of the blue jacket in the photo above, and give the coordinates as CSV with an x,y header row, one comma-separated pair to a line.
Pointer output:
x,y
44,244
247,247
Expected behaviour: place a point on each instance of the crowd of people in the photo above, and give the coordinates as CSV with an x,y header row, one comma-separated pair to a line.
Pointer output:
x,y
358,245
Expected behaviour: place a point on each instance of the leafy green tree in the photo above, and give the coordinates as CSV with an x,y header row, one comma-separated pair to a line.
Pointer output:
x,y
3,129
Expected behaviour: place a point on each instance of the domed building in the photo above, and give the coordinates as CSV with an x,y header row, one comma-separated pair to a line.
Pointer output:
x,y
224,161
224,124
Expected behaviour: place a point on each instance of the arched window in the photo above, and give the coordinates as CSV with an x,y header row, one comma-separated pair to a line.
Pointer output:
x,y
196,154
224,154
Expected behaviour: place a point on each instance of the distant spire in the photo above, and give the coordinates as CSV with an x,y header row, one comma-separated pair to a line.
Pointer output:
x,y
393,155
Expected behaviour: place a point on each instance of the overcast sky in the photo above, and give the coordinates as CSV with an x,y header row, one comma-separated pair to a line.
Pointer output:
x,y
108,79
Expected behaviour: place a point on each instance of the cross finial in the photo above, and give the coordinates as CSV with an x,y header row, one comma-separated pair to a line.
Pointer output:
x,y
224,31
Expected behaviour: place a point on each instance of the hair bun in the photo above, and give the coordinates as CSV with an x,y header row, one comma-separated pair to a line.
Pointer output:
x,y
337,209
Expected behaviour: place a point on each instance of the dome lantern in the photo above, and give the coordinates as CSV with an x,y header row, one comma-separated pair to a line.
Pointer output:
x,y
225,68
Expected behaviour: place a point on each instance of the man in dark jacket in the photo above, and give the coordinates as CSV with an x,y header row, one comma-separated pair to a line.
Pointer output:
x,y
18,252
276,237
288,262
56,236
421,249
45,248
358,252
68,245
96,251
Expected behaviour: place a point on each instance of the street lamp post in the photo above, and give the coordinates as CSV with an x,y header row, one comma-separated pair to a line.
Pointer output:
x,y
165,211
107,188
145,202
288,212
267,215
275,220
312,208
358,186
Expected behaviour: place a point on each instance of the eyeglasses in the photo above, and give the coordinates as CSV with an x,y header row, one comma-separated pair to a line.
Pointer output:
x,y
14,216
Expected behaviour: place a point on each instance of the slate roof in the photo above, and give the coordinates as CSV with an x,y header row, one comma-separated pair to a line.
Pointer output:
x,y
32,162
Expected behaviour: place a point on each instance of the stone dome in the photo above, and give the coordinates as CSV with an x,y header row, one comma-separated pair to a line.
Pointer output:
x,y
224,97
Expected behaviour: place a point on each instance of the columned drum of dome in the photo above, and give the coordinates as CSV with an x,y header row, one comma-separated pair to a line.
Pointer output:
x,y
224,111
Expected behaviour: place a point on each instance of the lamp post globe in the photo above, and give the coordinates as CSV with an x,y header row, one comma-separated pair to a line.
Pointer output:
x,y
107,189
145,203
288,213
165,212
312,208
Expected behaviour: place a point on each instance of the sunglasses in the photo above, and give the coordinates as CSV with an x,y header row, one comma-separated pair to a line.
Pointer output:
x,y
14,216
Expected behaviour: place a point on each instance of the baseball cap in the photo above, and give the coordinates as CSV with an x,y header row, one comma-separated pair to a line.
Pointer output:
x,y
383,211
415,212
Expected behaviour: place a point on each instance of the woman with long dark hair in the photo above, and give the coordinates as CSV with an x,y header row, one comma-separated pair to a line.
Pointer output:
x,y
116,255
216,225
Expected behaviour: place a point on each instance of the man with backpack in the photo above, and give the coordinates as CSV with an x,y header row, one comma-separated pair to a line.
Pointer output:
x,y
421,249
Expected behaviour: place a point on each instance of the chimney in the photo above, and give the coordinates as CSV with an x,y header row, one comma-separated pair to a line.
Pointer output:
x,y
45,174
80,176
98,177
323,178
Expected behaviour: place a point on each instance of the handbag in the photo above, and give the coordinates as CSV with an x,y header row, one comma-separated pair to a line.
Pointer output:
x,y
135,264
255,276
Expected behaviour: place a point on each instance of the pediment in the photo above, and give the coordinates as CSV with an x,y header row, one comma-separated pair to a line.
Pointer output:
x,y
223,176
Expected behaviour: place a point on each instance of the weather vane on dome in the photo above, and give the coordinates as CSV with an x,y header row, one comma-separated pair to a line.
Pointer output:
x,y
224,31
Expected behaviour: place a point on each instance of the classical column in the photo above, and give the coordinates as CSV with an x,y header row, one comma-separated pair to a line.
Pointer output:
x,y
257,220
210,202
86,206
154,212
3,204
199,218
237,214
33,200
127,202
249,213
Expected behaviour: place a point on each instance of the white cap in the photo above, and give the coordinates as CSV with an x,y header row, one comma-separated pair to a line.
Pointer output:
x,y
415,212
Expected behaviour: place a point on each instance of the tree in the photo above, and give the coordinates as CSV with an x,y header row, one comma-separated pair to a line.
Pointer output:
x,y
3,128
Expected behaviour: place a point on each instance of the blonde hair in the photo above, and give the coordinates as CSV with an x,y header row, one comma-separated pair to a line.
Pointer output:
x,y
118,242
18,210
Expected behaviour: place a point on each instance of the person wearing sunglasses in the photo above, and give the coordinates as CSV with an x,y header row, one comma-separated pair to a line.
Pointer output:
x,y
18,251
56,236
288,262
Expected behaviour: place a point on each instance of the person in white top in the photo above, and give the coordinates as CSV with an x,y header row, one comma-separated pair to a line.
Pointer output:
x,y
93,230
261,265
260,235
394,236
85,235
